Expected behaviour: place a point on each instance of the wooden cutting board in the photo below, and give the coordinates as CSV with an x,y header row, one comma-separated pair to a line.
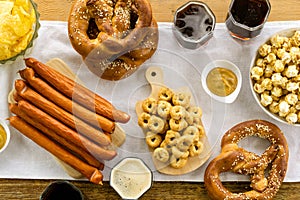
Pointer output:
x,y
154,75
118,136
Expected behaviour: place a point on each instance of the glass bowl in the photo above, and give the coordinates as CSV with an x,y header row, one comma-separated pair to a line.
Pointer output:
x,y
35,27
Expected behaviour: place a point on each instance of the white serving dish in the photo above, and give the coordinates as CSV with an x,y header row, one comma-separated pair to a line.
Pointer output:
x,y
286,33
224,64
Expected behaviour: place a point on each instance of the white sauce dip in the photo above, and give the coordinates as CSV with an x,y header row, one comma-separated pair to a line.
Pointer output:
x,y
131,178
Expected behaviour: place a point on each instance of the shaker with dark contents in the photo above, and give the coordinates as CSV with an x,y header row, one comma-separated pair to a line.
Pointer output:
x,y
61,190
246,18
194,23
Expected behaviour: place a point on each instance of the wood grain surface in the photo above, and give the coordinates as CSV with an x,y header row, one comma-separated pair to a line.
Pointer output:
x,y
164,9
58,10
32,189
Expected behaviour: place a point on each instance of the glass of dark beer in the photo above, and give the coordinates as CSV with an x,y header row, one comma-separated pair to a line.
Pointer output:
x,y
246,18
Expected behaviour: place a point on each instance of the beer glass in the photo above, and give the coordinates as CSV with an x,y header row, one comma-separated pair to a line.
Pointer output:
x,y
246,18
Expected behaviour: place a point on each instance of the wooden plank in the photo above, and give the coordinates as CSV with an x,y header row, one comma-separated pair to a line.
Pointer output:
x,y
58,10
15,189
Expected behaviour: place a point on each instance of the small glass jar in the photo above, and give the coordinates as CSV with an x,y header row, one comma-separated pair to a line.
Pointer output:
x,y
61,190
194,24
246,18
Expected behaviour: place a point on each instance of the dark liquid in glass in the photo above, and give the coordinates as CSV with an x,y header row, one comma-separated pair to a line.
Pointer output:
x,y
61,191
251,13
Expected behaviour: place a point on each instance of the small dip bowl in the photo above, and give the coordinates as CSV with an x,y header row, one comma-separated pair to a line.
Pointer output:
x,y
131,178
194,23
228,67
4,135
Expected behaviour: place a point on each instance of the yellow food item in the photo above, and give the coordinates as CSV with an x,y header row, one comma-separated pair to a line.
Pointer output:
x,y
17,18
221,81
2,137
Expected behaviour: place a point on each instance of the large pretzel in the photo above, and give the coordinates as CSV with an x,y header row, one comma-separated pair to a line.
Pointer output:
x,y
236,159
114,37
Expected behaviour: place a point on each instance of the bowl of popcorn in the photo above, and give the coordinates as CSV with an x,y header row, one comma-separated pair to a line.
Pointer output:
x,y
275,76
18,29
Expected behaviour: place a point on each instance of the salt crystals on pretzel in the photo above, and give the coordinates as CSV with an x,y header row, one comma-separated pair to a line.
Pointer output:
x,y
238,160
113,37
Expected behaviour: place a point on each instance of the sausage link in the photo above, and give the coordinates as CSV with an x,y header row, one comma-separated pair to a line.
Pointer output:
x,y
59,99
64,131
77,92
91,160
65,117
93,174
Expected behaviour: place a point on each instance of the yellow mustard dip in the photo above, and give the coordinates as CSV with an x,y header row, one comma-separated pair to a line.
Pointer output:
x,y
2,137
221,81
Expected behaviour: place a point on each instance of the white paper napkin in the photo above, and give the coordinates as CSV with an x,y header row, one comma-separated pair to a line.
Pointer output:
x,y
182,67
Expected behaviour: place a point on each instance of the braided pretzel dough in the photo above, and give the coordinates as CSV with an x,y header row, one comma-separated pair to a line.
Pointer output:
x,y
114,37
238,160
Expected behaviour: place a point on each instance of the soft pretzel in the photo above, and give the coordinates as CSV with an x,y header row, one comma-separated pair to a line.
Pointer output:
x,y
113,37
171,136
165,94
196,112
178,163
177,153
156,124
178,112
193,131
150,105
184,142
177,125
168,145
181,99
153,139
161,154
196,148
236,159
163,109
143,120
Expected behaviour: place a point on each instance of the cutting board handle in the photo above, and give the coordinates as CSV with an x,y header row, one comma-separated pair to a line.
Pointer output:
x,y
155,77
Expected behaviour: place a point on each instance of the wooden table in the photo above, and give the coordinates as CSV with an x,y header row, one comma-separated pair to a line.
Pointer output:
x,y
163,11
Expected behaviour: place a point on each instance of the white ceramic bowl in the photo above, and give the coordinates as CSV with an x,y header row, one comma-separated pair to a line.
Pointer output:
x,y
131,178
224,64
286,33
7,131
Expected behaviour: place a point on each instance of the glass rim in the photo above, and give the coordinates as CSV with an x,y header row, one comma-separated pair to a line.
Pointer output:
x,y
230,16
206,36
